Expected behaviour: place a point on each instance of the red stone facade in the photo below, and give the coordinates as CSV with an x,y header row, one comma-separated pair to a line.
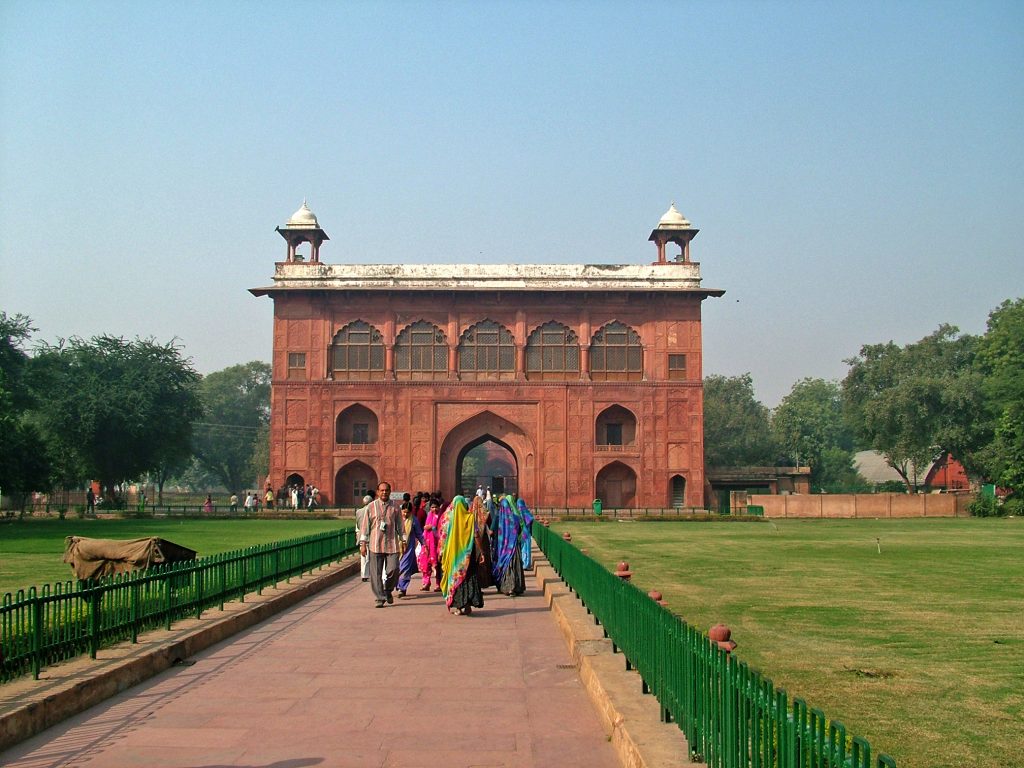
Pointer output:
x,y
633,438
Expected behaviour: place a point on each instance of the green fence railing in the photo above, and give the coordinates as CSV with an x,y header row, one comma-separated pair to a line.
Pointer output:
x,y
43,626
732,716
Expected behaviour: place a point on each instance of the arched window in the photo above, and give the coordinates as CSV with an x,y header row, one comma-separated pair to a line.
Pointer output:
x,y
356,427
421,352
615,429
616,354
487,351
552,352
357,352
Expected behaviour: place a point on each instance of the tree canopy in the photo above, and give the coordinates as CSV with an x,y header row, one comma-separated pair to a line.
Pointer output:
x,y
737,431
120,408
24,460
228,442
1000,362
912,403
809,427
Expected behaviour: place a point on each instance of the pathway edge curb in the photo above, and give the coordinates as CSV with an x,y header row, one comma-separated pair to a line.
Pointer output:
x,y
47,708
629,717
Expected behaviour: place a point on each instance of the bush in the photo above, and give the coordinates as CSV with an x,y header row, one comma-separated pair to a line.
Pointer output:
x,y
985,506
1014,505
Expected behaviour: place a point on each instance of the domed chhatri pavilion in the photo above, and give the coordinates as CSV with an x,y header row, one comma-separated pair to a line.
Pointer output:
x,y
563,382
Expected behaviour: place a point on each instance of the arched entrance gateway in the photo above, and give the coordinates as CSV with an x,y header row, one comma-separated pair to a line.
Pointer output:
x,y
616,485
487,447
487,463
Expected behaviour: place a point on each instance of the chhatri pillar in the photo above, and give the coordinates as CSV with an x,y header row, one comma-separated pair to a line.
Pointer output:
x,y
673,228
303,227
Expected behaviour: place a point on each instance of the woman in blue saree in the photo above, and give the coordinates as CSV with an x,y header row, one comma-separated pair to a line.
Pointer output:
x,y
527,537
507,537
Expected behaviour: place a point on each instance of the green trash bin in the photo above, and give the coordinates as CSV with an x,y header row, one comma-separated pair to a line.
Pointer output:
x,y
598,507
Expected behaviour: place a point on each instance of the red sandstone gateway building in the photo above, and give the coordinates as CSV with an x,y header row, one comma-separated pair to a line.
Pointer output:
x,y
564,382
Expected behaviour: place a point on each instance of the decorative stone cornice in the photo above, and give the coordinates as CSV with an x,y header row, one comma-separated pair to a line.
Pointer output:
x,y
306,276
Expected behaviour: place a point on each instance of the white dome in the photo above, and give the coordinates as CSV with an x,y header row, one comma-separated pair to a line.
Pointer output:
x,y
673,219
304,218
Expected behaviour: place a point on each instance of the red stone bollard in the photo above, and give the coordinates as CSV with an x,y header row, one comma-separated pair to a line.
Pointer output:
x,y
623,571
722,635
567,536
585,551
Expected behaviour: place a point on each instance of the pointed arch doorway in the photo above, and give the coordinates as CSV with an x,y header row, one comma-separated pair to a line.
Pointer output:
x,y
507,450
487,463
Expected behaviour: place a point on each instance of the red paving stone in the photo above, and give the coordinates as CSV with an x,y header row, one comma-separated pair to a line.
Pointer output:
x,y
337,682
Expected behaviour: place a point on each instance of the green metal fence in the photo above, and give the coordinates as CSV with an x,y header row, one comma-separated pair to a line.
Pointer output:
x,y
732,716
43,626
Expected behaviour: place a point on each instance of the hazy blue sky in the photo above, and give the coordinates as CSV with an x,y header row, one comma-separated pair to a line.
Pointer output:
x,y
855,169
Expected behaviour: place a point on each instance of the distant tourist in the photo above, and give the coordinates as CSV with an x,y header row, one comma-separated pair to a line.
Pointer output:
x,y
90,501
208,504
234,503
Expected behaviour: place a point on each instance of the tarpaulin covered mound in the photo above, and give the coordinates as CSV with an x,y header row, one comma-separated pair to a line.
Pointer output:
x,y
96,558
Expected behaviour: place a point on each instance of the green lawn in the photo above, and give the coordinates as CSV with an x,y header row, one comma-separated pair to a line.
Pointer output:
x,y
31,550
919,648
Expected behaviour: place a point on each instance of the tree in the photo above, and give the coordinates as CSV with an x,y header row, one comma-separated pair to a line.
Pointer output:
x,y
809,427
736,425
121,408
237,403
24,459
1000,361
912,403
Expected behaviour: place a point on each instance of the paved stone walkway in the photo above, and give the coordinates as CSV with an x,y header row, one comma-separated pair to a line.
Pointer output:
x,y
337,682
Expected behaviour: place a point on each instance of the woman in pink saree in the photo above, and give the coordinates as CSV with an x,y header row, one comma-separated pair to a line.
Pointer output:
x,y
428,553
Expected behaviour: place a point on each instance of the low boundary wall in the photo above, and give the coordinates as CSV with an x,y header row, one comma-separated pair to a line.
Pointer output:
x,y
863,505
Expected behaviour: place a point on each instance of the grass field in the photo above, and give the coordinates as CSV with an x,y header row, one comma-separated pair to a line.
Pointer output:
x,y
31,550
919,647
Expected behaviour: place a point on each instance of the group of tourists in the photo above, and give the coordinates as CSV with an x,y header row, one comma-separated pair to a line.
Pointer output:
x,y
462,549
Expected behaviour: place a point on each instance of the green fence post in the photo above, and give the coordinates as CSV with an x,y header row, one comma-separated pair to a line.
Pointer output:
x,y
95,602
168,591
37,637
134,597
223,579
245,582
199,592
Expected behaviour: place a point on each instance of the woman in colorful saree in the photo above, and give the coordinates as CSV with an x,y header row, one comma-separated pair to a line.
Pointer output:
x,y
483,520
412,535
461,550
428,552
507,533
527,523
